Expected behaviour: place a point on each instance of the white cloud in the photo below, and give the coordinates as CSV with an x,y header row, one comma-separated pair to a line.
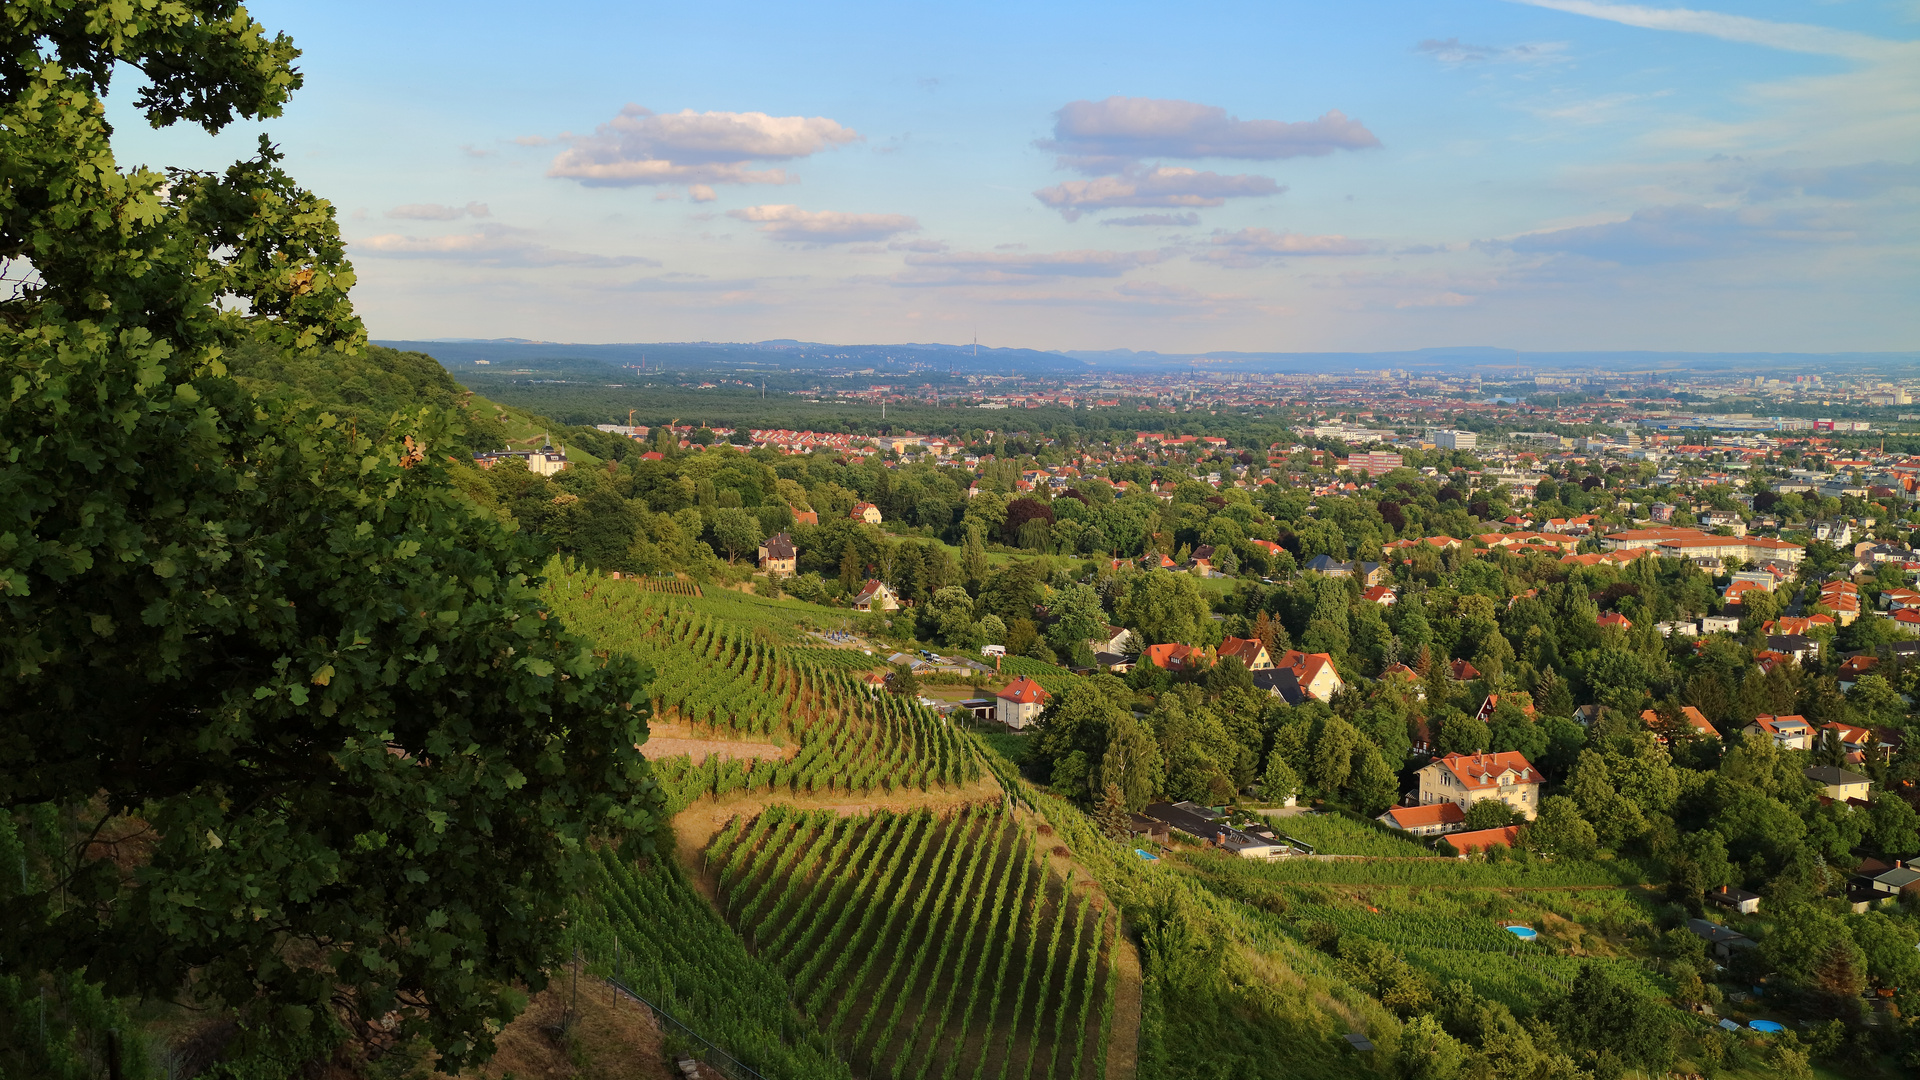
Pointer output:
x,y
641,147
493,246
1186,220
1667,234
1792,37
1256,246
790,223
1102,136
1162,186
1455,51
437,212
997,268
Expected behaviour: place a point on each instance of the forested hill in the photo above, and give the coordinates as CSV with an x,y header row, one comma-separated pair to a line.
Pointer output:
x,y
370,387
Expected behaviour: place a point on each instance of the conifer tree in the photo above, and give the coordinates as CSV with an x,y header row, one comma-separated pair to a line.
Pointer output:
x,y
1111,814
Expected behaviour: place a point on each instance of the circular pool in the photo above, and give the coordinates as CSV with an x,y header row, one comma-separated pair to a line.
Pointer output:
x,y
1765,1026
1524,933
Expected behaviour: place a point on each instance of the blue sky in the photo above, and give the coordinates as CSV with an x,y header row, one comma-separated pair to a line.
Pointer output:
x,y
1561,174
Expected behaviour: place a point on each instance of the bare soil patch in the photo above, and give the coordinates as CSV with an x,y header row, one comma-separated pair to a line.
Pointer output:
x,y
657,747
612,1038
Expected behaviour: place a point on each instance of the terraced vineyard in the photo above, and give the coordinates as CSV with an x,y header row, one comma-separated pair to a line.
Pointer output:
x,y
660,937
726,679
924,947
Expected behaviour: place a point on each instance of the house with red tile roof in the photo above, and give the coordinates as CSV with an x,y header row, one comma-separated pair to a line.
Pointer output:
x,y
1693,717
1853,667
1380,594
1171,656
1463,671
1796,624
1248,651
866,512
875,596
1467,843
1614,618
1465,779
1312,675
1020,702
1430,820
1790,732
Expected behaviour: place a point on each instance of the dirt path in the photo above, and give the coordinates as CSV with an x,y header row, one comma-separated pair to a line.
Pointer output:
x,y
657,747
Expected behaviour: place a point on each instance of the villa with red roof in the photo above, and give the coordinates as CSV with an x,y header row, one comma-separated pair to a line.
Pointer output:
x,y
1465,779
1020,703
1614,618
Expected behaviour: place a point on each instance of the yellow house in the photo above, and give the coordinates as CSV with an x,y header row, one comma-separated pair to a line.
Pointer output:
x,y
1465,779
1839,784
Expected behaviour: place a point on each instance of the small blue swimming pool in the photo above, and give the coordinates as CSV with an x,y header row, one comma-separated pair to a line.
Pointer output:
x,y
1146,855
1524,933
1766,1026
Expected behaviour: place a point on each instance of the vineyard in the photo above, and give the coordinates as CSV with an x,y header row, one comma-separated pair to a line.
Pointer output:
x,y
660,937
1055,679
1331,834
925,947
719,677
665,583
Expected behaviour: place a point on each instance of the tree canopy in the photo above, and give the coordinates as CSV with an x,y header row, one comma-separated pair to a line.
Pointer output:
x,y
284,713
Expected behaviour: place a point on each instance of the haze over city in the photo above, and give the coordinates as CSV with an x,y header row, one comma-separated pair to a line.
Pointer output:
x,y
1553,175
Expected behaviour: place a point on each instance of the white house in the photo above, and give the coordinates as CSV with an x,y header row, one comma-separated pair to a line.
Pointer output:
x,y
1020,703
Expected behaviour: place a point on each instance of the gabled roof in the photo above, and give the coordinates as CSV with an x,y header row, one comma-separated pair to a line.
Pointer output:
x,y
1850,734
1024,691
1827,774
1478,772
1778,725
1485,838
1426,817
1245,650
1280,681
779,546
1693,717
1169,656
1463,671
